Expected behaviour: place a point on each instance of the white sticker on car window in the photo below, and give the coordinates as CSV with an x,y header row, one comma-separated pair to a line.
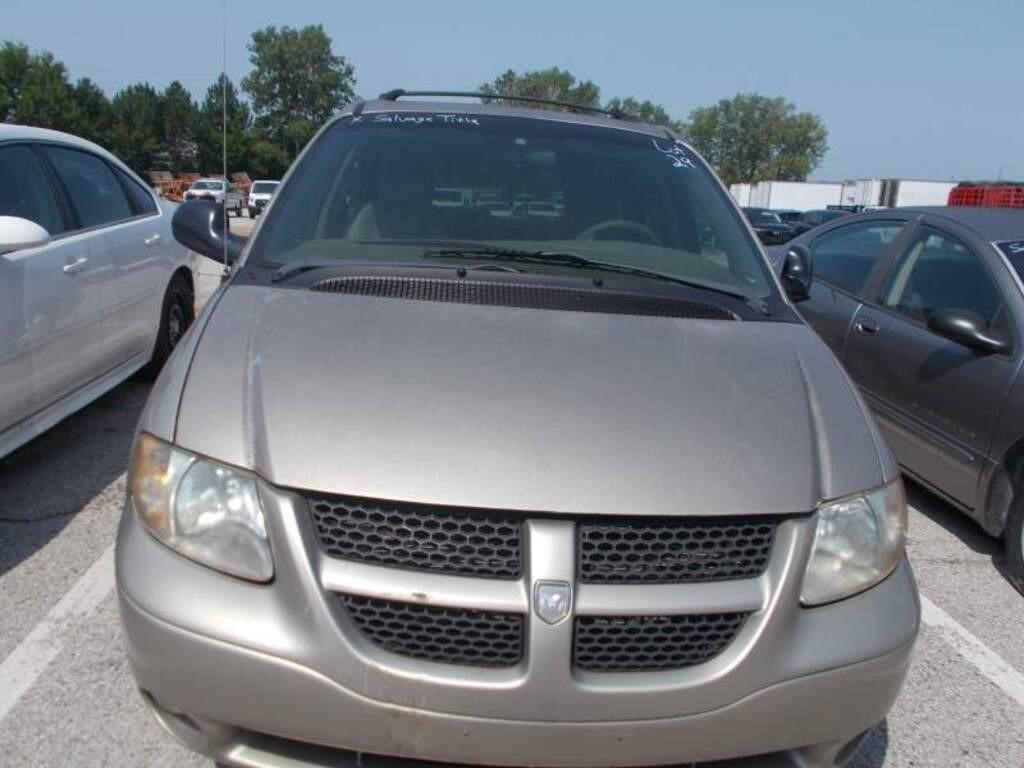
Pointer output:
x,y
1013,248
439,118
676,152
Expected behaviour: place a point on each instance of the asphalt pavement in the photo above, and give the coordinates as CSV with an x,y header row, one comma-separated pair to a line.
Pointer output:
x,y
67,697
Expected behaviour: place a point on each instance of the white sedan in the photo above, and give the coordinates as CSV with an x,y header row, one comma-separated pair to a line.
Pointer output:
x,y
93,287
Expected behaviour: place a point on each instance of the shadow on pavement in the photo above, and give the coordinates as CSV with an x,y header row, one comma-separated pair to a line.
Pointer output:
x,y
958,524
46,482
873,751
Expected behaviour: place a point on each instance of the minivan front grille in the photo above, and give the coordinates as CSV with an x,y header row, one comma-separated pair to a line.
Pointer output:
x,y
684,551
651,643
526,295
445,635
441,539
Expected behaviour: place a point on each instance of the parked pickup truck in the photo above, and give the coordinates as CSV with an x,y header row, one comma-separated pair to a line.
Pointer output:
x,y
214,190
259,196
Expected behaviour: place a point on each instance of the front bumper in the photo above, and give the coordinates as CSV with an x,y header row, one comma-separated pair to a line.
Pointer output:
x,y
259,675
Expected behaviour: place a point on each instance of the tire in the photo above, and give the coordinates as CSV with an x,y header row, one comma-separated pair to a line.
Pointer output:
x,y
252,212
176,315
1013,540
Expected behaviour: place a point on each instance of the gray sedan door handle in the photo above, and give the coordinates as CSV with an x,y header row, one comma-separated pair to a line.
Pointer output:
x,y
152,240
866,325
75,266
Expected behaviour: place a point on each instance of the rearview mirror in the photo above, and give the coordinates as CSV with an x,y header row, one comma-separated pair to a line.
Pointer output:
x,y
968,329
199,226
17,233
797,272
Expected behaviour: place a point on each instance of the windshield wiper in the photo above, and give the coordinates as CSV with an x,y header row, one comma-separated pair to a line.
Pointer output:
x,y
293,268
302,265
570,259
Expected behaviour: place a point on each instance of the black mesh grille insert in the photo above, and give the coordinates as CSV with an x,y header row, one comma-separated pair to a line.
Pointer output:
x,y
526,295
446,540
645,643
446,635
682,551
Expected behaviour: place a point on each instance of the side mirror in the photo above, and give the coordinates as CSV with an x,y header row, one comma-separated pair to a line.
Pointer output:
x,y
797,272
968,329
199,226
17,233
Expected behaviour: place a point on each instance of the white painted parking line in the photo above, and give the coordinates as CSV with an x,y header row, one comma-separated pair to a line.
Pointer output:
x,y
43,644
979,655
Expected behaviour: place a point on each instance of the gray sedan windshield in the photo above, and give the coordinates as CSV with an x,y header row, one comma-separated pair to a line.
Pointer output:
x,y
384,187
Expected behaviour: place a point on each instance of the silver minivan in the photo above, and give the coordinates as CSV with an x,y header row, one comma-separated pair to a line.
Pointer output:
x,y
427,483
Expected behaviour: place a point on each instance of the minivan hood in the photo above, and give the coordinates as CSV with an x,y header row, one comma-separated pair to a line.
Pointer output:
x,y
543,410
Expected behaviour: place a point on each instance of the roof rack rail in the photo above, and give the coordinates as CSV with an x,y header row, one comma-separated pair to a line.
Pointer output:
x,y
398,93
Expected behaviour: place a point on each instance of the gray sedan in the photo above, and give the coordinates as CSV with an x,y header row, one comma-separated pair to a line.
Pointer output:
x,y
925,308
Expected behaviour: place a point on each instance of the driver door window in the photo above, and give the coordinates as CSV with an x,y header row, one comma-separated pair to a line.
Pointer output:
x,y
845,257
939,272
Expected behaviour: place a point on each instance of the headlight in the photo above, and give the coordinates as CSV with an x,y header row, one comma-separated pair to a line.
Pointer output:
x,y
858,543
205,511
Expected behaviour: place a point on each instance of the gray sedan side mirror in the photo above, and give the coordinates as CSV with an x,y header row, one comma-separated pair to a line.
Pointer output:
x,y
797,272
17,233
199,226
968,329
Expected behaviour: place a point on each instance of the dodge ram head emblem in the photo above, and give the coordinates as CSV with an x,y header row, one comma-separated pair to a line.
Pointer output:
x,y
551,600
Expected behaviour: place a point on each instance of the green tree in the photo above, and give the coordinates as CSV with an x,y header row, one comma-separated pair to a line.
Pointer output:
x,y
42,94
266,159
552,83
90,112
178,122
14,62
296,83
751,137
647,111
561,85
136,133
239,129
34,90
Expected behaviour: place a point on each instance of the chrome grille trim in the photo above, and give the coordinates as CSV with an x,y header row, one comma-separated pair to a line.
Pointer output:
x,y
671,599
344,577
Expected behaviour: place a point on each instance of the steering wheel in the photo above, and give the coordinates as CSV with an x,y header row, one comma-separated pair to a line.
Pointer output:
x,y
591,232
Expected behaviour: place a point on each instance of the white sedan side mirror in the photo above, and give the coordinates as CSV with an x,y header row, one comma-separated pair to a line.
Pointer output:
x,y
17,233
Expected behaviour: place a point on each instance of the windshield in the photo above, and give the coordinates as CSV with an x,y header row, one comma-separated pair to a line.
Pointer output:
x,y
263,187
207,185
384,187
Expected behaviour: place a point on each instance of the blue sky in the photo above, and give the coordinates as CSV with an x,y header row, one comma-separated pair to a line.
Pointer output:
x,y
931,89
